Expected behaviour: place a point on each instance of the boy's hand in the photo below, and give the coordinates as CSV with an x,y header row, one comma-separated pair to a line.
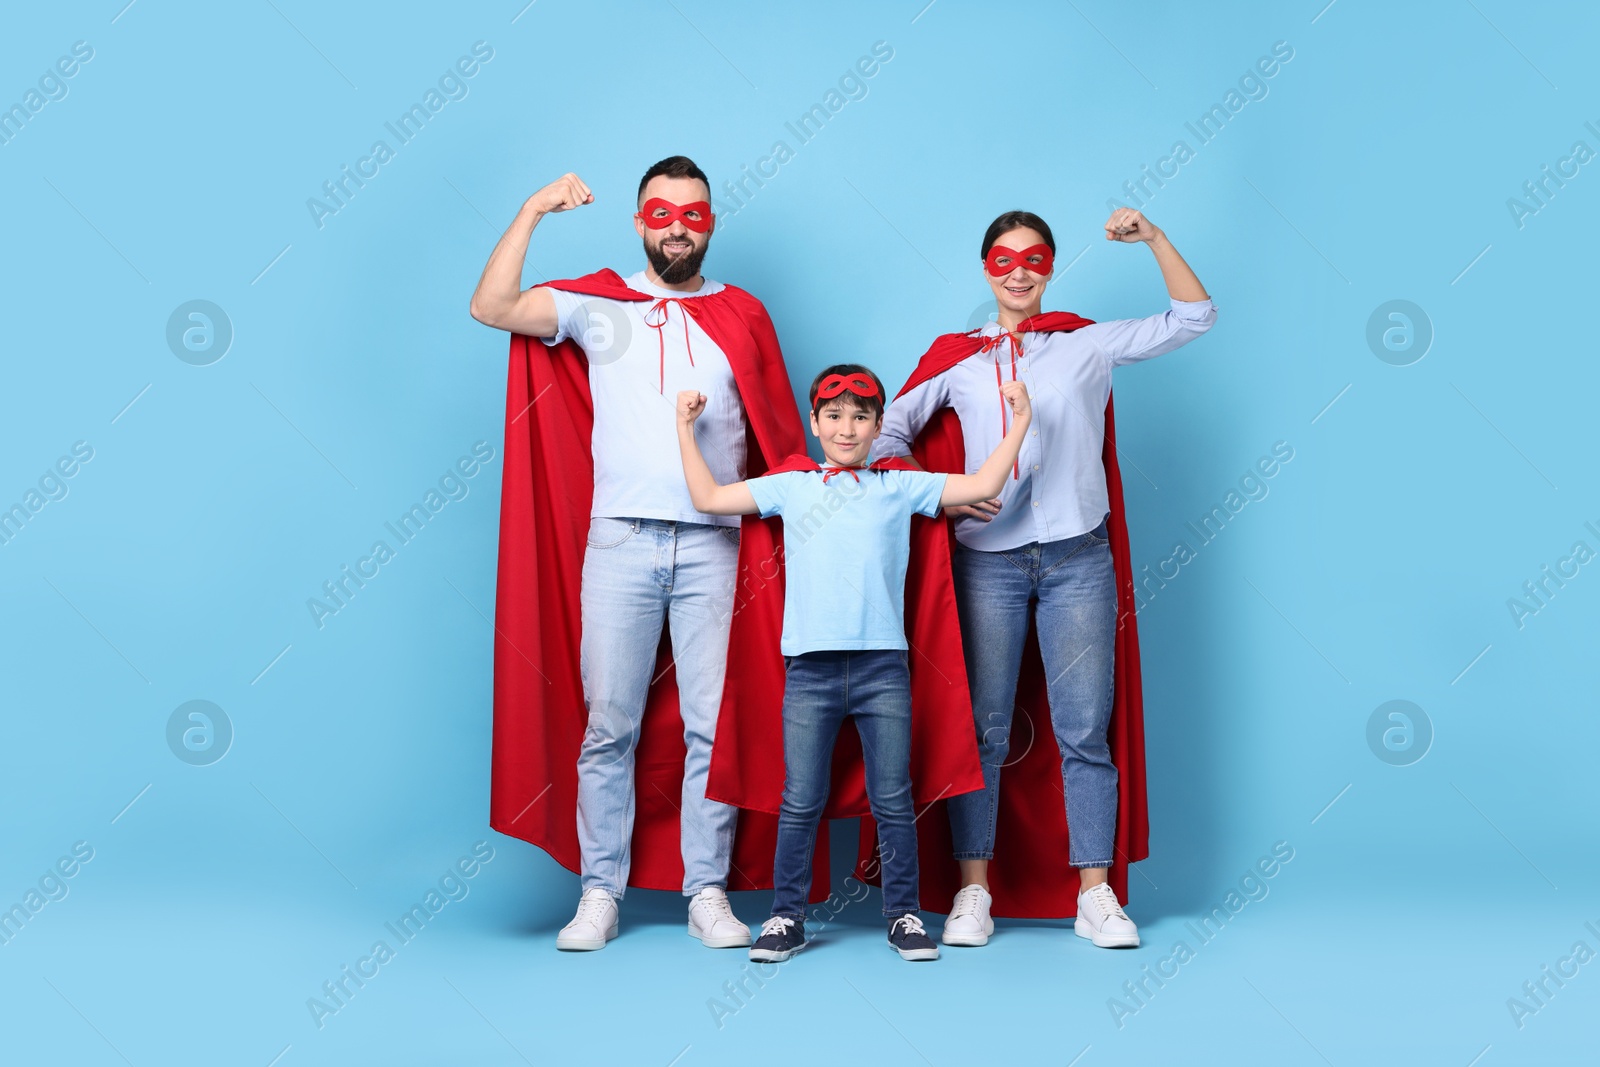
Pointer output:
x,y
1016,394
690,404
983,509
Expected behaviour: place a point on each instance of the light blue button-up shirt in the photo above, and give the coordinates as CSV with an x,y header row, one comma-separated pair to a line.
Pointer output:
x,y
1059,490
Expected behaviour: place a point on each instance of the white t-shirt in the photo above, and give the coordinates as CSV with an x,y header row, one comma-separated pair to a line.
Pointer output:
x,y
635,375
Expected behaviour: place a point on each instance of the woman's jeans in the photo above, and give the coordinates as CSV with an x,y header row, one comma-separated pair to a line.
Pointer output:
x,y
637,574
1074,586
821,690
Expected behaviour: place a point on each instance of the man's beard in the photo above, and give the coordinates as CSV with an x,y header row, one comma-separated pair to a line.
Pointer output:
x,y
675,271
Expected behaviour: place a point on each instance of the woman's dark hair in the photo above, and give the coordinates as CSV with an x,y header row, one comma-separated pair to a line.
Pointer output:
x,y
1010,221
675,167
872,404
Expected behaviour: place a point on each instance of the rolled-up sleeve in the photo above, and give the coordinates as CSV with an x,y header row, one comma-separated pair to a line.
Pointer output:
x,y
904,419
572,317
1131,340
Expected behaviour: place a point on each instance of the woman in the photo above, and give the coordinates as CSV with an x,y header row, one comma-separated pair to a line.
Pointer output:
x,y
1045,541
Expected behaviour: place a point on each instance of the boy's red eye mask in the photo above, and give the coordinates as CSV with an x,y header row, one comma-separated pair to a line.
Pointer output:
x,y
834,384
676,213
1002,260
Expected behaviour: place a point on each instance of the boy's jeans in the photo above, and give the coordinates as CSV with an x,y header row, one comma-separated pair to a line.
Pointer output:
x,y
1075,586
822,689
637,572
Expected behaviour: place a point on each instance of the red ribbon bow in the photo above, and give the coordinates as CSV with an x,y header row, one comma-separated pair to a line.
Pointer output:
x,y
661,335
696,216
829,472
1002,260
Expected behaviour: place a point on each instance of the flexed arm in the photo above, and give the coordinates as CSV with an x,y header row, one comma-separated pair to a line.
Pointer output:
x,y
1130,227
962,489
500,301
708,497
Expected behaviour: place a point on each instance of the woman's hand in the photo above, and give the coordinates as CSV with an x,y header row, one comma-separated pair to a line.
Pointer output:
x,y
691,403
983,509
1130,226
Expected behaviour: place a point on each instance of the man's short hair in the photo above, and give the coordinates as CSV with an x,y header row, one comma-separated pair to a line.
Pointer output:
x,y
674,167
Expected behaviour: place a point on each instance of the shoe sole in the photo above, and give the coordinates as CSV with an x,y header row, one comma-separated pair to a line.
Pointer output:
x,y
915,954
584,944
768,955
1083,929
732,941
969,940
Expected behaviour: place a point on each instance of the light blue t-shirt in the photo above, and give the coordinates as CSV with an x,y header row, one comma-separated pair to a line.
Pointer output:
x,y
846,545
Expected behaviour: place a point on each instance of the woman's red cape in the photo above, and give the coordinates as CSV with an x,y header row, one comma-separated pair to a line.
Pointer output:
x,y
1029,876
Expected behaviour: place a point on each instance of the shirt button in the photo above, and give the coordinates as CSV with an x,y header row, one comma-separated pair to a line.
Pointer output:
x,y
1035,503
1035,466
1033,433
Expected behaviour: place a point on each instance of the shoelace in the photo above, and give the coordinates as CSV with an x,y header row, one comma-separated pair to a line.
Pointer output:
x,y
911,923
592,909
661,333
966,902
718,906
1106,898
775,925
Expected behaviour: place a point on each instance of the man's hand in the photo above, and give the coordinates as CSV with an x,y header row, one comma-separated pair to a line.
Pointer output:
x,y
1130,226
690,404
563,194
1016,394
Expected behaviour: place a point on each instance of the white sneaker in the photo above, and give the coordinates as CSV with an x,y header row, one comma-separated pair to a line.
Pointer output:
x,y
969,922
593,926
1102,920
711,919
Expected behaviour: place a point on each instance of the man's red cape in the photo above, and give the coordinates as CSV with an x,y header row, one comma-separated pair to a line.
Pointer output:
x,y
747,759
539,713
1029,875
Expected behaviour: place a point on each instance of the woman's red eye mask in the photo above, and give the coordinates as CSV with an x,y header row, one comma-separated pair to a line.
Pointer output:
x,y
1002,260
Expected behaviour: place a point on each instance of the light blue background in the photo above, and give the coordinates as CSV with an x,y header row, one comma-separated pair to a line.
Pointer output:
x,y
1379,566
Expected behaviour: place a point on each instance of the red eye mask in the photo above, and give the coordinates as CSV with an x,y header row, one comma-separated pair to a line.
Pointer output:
x,y
700,223
834,384
1002,260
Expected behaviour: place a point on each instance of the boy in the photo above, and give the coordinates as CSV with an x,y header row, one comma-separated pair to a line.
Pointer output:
x,y
846,541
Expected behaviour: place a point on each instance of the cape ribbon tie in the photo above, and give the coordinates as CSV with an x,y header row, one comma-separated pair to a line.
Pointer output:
x,y
829,472
661,336
989,344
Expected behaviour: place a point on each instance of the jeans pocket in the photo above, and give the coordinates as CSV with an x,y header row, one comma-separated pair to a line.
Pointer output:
x,y
609,533
1102,533
729,534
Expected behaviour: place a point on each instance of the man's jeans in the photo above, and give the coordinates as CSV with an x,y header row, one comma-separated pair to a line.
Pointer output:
x,y
637,572
1075,586
822,689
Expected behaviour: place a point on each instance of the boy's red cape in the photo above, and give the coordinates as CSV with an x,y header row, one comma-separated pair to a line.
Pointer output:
x,y
1029,875
747,760
539,714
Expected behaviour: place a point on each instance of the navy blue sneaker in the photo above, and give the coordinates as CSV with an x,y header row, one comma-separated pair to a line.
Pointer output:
x,y
780,939
907,937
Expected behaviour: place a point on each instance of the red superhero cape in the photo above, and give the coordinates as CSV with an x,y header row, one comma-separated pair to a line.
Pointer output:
x,y
539,715
747,759
1029,875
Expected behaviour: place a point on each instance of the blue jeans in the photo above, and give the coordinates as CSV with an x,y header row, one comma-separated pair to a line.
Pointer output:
x,y
1075,588
637,573
821,690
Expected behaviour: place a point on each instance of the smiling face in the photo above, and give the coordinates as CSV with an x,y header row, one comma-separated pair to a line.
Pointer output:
x,y
675,251
1019,290
846,431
